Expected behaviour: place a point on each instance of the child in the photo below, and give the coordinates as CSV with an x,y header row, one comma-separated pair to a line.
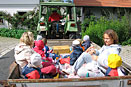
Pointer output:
x,y
39,37
46,48
81,44
48,66
75,53
86,42
47,51
32,70
114,63
77,50
39,45
24,50
69,62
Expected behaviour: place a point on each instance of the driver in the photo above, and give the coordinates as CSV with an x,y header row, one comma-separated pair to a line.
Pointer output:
x,y
54,16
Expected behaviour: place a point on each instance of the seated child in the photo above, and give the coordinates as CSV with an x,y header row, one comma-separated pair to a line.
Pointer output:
x,y
48,66
46,48
77,51
39,45
70,60
86,42
48,52
114,63
32,70
39,37
81,44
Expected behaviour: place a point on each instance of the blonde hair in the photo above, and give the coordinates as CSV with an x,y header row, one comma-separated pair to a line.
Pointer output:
x,y
27,38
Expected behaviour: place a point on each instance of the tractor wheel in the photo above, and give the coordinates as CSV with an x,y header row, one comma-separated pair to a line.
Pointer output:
x,y
72,36
65,36
61,35
43,34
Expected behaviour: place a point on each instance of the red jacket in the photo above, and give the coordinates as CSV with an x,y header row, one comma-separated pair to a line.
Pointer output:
x,y
39,45
54,17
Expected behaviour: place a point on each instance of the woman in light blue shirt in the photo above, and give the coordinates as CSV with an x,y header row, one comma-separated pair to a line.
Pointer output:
x,y
99,58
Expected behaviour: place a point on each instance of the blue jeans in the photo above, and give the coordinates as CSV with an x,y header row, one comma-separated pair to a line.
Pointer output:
x,y
90,67
83,58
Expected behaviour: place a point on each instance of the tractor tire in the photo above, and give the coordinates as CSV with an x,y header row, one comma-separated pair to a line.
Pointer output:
x,y
72,36
43,34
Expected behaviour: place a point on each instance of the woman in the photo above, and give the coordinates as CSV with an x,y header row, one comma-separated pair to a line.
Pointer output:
x,y
98,62
24,50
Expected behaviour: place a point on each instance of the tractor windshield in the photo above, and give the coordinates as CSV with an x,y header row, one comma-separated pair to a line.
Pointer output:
x,y
57,19
68,13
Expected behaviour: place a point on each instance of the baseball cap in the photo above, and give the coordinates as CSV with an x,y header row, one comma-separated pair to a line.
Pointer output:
x,y
39,37
75,42
86,37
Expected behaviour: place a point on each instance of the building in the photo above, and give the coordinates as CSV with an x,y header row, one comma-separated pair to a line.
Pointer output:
x,y
14,6
99,7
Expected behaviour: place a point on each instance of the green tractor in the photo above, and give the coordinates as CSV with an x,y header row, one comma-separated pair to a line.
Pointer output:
x,y
65,28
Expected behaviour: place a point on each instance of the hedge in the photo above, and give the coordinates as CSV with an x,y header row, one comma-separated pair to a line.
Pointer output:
x,y
14,33
95,29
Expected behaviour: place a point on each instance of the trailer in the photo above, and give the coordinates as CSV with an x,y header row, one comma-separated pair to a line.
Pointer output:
x,y
15,79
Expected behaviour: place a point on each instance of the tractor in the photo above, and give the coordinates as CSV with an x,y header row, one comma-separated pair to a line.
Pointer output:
x,y
65,28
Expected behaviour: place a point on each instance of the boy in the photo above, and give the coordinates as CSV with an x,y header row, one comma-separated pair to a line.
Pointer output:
x,y
77,51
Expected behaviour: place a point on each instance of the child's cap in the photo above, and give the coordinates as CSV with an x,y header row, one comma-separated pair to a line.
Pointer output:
x,y
114,61
75,42
79,40
36,60
86,37
39,44
39,37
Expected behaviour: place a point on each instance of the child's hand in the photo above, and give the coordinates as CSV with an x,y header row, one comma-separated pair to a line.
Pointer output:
x,y
94,57
67,66
84,65
75,73
92,51
91,47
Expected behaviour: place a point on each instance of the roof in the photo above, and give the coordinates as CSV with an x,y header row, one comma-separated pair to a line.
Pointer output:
x,y
103,3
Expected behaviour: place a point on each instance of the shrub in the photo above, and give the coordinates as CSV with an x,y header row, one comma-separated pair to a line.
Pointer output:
x,y
28,20
128,42
96,29
14,33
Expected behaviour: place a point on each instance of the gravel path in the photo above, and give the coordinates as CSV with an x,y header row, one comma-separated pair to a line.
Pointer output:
x,y
7,44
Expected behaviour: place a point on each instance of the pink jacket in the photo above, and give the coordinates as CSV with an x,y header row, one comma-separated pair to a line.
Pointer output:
x,y
39,45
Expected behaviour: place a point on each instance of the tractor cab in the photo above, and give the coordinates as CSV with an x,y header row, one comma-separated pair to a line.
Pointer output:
x,y
65,27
